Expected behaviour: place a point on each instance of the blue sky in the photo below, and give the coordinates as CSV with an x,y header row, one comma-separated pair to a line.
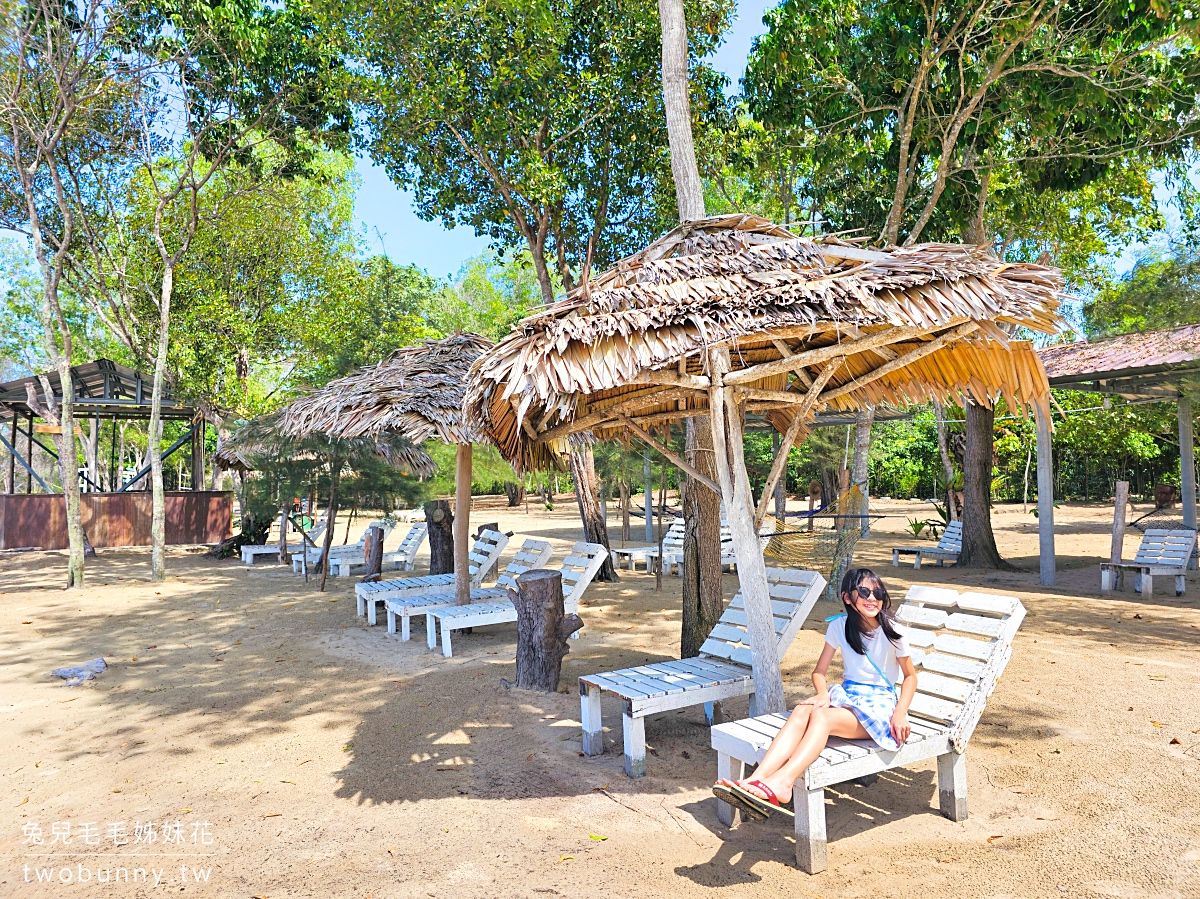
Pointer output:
x,y
391,224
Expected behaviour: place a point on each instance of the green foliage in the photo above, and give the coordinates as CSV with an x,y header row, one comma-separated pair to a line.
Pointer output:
x,y
1162,291
904,460
489,471
916,526
489,296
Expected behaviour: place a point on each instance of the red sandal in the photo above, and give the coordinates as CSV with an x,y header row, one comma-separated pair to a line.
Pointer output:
x,y
767,806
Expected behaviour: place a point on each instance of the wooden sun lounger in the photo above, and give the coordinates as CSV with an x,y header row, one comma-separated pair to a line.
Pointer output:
x,y
961,644
578,569
251,554
532,554
485,553
948,549
349,550
649,551
1161,552
402,559
673,561
721,671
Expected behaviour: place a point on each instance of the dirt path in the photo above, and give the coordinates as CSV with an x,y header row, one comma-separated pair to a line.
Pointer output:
x,y
319,757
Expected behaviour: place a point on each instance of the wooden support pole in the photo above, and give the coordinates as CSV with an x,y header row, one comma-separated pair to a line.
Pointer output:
x,y
675,459
1118,531
1045,479
1187,462
752,572
649,497
198,456
462,525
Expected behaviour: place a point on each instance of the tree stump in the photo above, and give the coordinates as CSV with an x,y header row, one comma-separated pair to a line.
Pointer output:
x,y
487,526
542,629
440,520
373,554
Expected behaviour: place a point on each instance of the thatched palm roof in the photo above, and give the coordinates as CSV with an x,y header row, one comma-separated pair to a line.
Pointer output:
x,y
629,347
260,442
417,391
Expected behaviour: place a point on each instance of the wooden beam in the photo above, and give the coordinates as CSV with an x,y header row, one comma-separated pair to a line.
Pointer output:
x,y
1045,481
644,398
901,361
825,353
1187,463
789,438
670,456
665,378
857,254
787,352
790,397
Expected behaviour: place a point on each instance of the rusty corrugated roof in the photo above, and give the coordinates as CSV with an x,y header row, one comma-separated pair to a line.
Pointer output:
x,y
1125,354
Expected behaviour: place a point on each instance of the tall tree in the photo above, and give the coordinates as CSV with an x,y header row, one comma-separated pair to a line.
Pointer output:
x,y
536,122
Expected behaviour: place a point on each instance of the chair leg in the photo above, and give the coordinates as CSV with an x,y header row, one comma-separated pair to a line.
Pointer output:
x,y
811,837
729,768
405,625
391,621
446,649
431,632
1147,586
753,705
895,558
593,728
917,561
372,615
713,713
1106,580
1180,584
362,606
952,785
634,730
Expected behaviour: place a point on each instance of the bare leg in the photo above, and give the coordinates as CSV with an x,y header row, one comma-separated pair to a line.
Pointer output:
x,y
823,724
784,744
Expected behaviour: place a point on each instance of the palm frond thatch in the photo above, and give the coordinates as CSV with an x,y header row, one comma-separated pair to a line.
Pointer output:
x,y
900,325
417,391
261,442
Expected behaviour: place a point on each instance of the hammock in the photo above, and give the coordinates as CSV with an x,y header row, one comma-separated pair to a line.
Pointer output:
x,y
1164,518
828,548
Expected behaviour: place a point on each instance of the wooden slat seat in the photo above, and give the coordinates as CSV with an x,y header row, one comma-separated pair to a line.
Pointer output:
x,y
960,648
578,569
532,554
721,671
312,555
485,553
1161,552
948,548
403,558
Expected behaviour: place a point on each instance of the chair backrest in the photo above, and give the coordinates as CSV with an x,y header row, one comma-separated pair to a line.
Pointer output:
x,y
532,554
578,569
951,538
1168,549
412,541
484,555
794,592
960,643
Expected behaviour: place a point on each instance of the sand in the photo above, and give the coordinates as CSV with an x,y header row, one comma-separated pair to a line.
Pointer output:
x,y
305,754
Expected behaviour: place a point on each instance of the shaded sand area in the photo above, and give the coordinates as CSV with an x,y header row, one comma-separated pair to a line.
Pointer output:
x,y
305,754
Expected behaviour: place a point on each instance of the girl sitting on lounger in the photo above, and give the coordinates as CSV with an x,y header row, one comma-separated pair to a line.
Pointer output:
x,y
866,705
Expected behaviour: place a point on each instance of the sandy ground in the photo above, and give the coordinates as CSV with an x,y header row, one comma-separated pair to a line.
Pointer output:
x,y
305,754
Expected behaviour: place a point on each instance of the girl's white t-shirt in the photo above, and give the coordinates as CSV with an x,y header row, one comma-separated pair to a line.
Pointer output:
x,y
882,651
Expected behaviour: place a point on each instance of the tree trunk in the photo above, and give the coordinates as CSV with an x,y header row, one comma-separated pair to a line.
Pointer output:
x,y
335,474
595,528
515,493
462,524
542,629
441,536
860,471
67,465
284,558
623,487
373,554
978,542
703,601
689,190
947,464
158,515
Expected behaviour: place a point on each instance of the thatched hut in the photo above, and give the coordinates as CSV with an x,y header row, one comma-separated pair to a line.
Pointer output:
x,y
734,314
417,393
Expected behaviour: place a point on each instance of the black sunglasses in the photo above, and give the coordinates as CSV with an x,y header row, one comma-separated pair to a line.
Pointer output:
x,y
868,592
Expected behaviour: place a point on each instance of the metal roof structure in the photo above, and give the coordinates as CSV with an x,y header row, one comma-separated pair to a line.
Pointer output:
x,y
103,389
1145,364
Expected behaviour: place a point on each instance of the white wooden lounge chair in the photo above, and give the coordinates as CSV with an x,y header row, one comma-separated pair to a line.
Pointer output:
x,y
532,554
961,644
410,515
721,671
349,550
648,551
1161,552
485,553
673,561
578,569
251,554
401,559
948,549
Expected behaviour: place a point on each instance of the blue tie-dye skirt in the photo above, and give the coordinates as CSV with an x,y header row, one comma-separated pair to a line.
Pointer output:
x,y
872,705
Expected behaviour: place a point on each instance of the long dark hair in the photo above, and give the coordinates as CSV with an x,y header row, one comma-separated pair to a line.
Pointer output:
x,y
854,633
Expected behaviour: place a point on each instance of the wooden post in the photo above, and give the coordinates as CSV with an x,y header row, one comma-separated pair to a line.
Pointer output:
x,y
1118,531
284,558
12,458
649,497
197,456
542,629
752,572
1187,462
373,553
462,525
440,520
1045,478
